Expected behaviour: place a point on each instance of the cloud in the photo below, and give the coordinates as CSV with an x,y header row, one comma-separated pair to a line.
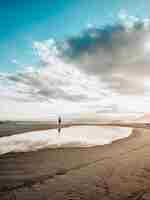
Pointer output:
x,y
102,69
56,80
118,54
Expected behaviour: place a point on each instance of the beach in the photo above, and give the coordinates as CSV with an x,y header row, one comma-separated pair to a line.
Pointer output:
x,y
120,170
74,100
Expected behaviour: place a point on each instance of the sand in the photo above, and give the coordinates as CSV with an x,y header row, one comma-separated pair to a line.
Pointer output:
x,y
120,170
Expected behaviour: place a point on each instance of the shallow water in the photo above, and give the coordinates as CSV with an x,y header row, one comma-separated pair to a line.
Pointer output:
x,y
86,136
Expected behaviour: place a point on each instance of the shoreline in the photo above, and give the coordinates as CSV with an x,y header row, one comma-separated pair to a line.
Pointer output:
x,y
47,171
68,144
14,128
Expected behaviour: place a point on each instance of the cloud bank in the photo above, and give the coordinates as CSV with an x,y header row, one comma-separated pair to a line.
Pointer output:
x,y
103,69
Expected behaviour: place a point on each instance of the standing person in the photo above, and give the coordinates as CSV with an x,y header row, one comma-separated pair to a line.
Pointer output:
x,y
59,124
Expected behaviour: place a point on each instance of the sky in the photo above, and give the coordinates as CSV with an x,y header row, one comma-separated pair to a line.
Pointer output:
x,y
65,56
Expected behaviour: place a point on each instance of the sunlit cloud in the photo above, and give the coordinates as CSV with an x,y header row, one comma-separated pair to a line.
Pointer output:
x,y
103,69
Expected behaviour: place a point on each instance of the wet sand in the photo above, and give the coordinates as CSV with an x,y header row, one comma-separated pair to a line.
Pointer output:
x,y
19,127
120,170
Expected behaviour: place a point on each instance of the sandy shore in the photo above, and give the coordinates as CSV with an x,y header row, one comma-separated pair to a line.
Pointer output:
x,y
120,170
19,127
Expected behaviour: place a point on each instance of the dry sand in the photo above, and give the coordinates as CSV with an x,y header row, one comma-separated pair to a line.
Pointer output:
x,y
120,170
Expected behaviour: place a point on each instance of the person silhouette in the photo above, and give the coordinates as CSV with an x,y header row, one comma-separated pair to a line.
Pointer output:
x,y
59,124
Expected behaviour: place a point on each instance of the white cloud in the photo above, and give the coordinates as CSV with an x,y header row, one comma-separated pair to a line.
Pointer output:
x,y
103,69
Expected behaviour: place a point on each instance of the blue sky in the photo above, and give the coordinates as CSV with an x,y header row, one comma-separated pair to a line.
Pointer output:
x,y
72,56
22,22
